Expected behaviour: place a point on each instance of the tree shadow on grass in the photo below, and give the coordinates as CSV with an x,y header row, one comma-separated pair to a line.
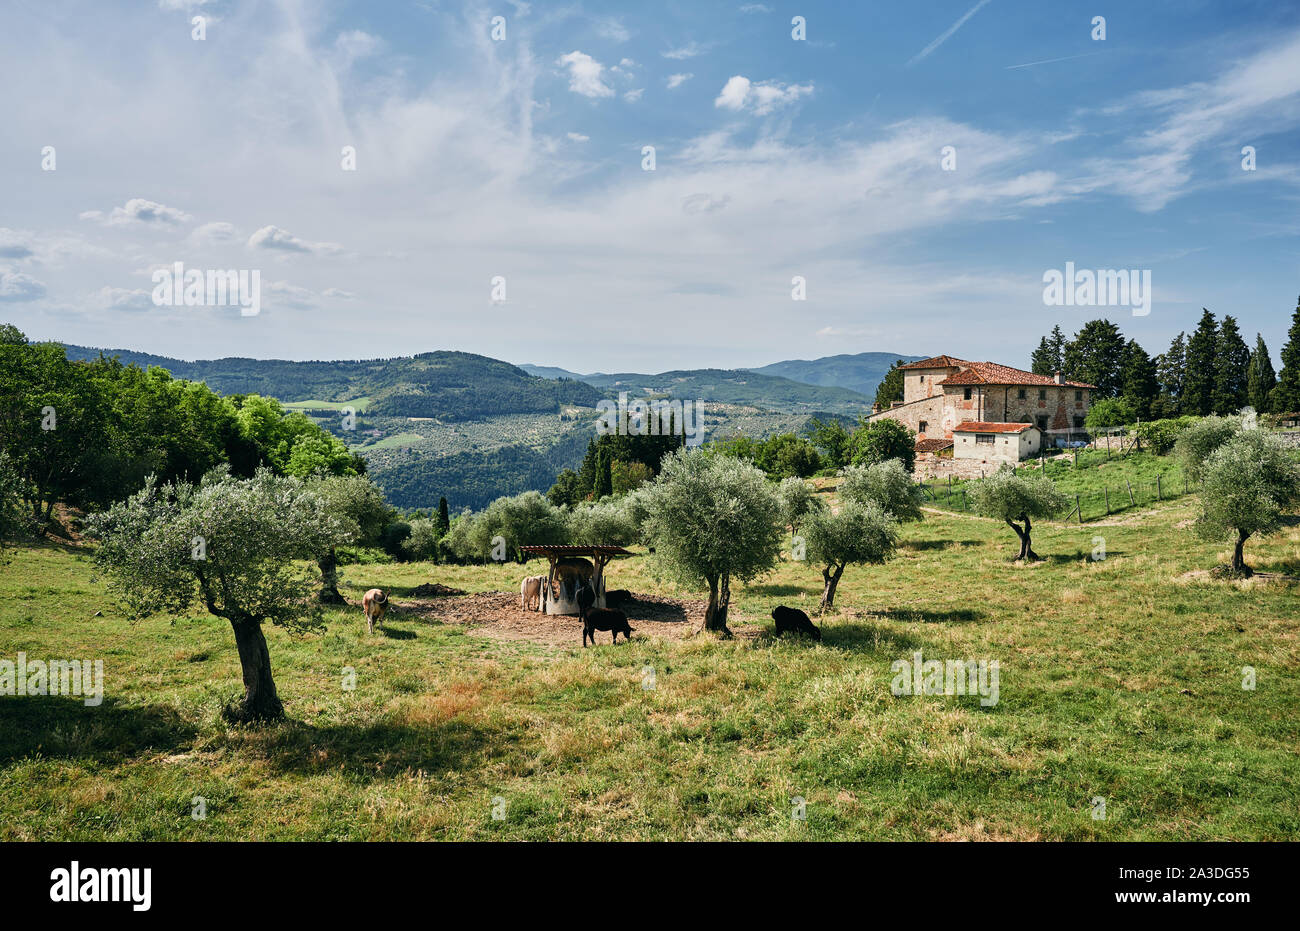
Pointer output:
x,y
923,545
779,591
382,750
392,633
868,638
59,727
936,615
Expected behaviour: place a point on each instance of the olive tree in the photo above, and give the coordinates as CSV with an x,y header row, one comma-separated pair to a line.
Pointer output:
x,y
709,519
1249,482
1012,497
887,484
796,501
607,521
1195,445
859,532
242,549
507,524
361,508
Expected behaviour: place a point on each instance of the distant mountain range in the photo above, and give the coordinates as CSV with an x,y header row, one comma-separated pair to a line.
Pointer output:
x,y
472,428
859,373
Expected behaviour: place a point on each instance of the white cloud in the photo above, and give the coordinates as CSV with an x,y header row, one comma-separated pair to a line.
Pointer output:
x,y
575,137
338,294
613,30
272,237
16,287
355,44
14,245
211,234
137,210
677,80
125,298
755,8
689,50
739,93
585,75
633,96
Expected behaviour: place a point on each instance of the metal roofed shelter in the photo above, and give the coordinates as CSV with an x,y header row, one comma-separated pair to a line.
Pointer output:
x,y
571,565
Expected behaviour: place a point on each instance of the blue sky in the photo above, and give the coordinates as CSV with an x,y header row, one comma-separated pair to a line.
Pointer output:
x,y
522,158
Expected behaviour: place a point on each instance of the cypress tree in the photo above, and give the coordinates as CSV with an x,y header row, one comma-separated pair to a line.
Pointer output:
x,y
1138,379
1199,372
444,516
1171,367
1232,369
890,388
604,477
1260,380
1042,362
1286,396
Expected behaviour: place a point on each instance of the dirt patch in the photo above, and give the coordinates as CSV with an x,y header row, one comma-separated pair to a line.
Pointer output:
x,y
498,615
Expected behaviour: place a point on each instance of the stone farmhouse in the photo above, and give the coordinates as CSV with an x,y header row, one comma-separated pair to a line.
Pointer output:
x,y
986,407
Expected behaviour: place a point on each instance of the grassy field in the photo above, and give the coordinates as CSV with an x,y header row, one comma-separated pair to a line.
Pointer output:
x,y
1100,485
1119,679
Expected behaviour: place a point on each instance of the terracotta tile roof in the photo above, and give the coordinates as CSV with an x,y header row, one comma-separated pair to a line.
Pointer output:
x,y
989,426
991,373
932,446
936,362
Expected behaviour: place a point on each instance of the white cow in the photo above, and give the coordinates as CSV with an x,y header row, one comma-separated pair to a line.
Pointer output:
x,y
530,593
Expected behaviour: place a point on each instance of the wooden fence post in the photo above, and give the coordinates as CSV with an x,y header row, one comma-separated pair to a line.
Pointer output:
x,y
1157,487
1107,491
1131,501
1079,506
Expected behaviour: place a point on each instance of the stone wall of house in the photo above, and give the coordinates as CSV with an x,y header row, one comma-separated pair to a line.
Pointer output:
x,y
926,410
930,466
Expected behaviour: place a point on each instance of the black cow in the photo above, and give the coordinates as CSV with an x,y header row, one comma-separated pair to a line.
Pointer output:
x,y
617,597
792,620
586,597
595,619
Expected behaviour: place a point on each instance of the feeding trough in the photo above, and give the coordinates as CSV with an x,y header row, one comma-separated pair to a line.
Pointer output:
x,y
572,567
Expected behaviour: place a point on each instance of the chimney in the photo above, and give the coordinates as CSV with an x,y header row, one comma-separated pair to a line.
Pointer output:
x,y
1059,379
894,404
875,408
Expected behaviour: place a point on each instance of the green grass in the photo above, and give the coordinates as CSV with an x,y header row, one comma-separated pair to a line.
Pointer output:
x,y
1102,484
1120,679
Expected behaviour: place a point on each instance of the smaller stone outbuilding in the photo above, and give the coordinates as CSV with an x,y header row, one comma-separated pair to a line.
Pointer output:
x,y
995,443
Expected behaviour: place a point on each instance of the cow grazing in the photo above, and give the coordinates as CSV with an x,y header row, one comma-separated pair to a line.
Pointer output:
x,y
604,619
617,597
530,593
375,605
792,620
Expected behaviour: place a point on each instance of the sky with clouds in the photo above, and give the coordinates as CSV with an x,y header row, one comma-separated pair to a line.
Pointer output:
x,y
523,158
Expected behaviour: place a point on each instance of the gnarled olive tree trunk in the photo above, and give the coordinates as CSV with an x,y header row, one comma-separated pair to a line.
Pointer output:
x,y
832,581
715,615
1239,554
261,703
329,579
1026,548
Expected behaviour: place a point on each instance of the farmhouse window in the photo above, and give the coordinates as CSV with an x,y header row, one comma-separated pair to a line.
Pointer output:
x,y
983,437
924,424
1021,394
1078,395
967,394
1042,394
1078,422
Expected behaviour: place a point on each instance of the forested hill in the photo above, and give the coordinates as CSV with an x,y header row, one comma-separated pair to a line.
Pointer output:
x,y
448,386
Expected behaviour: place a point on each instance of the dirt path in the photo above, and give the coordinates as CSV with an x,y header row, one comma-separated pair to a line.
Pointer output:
x,y
498,615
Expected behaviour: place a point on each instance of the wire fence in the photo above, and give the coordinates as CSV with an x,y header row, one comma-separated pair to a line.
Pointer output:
x,y
1087,504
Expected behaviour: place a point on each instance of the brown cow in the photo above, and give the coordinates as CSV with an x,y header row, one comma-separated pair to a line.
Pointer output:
x,y
375,605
